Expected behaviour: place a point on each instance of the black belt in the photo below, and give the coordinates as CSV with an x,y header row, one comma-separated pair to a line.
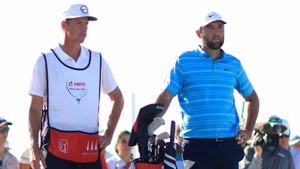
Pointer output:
x,y
212,139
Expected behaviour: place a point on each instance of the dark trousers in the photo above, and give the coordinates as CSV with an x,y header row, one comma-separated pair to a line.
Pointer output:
x,y
56,163
212,153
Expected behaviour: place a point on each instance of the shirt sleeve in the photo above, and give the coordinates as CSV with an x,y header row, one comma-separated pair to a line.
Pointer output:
x,y
38,79
173,81
256,163
108,81
245,87
10,162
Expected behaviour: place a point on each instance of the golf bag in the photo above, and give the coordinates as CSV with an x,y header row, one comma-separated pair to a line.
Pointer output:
x,y
154,152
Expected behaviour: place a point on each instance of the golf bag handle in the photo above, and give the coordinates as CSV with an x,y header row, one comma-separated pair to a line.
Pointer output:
x,y
172,132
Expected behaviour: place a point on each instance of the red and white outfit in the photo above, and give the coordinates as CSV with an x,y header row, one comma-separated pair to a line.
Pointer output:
x,y
73,88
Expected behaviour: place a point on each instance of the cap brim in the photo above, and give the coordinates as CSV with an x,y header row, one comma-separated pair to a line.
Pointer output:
x,y
90,18
5,123
208,22
24,161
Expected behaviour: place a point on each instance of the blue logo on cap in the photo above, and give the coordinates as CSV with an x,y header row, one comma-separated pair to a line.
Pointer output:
x,y
84,9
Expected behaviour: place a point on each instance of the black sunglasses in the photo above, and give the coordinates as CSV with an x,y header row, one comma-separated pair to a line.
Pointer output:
x,y
283,135
4,129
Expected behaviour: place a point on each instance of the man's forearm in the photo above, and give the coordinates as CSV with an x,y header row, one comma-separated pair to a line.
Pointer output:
x,y
164,98
252,112
34,128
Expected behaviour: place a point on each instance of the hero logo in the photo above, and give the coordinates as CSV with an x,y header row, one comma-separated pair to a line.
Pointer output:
x,y
77,89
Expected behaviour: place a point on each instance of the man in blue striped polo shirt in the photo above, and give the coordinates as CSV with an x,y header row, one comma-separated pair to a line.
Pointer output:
x,y
204,80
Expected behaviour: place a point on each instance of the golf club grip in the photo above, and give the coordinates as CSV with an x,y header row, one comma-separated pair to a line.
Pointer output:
x,y
172,132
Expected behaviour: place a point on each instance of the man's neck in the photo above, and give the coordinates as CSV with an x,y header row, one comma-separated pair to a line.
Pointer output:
x,y
2,152
214,53
72,50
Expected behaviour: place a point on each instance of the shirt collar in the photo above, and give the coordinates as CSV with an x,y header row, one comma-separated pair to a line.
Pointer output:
x,y
204,54
63,56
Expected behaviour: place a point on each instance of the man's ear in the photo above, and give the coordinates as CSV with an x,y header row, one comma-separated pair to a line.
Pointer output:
x,y
198,32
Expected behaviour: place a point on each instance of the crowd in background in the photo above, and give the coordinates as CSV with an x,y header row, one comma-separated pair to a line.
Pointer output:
x,y
288,141
274,145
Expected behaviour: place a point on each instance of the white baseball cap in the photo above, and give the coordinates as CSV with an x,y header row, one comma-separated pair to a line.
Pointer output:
x,y
24,159
77,11
287,132
295,139
211,17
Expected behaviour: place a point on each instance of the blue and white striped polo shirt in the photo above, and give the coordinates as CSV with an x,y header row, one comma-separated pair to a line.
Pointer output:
x,y
205,90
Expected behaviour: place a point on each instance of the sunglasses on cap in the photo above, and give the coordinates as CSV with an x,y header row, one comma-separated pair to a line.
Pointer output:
x,y
275,120
4,129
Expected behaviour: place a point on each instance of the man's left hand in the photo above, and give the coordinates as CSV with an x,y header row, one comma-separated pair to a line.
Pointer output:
x,y
243,136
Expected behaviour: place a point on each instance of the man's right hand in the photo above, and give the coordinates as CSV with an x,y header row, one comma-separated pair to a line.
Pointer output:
x,y
36,156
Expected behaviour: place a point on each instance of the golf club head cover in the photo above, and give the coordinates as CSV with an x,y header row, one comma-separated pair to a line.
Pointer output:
x,y
139,134
155,124
144,118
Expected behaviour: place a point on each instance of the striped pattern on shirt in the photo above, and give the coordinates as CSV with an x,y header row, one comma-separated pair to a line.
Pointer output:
x,y
205,90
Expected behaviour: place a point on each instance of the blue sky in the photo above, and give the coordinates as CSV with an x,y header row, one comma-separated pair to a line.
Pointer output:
x,y
140,39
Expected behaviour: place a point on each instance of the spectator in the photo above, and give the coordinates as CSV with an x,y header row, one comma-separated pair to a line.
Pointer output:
x,y
179,149
24,160
105,155
295,150
7,160
284,137
287,143
265,151
123,152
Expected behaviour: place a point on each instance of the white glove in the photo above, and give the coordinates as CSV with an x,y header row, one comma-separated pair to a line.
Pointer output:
x,y
157,122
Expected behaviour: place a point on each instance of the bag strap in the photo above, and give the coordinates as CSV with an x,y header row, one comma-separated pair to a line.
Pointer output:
x,y
44,109
100,76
